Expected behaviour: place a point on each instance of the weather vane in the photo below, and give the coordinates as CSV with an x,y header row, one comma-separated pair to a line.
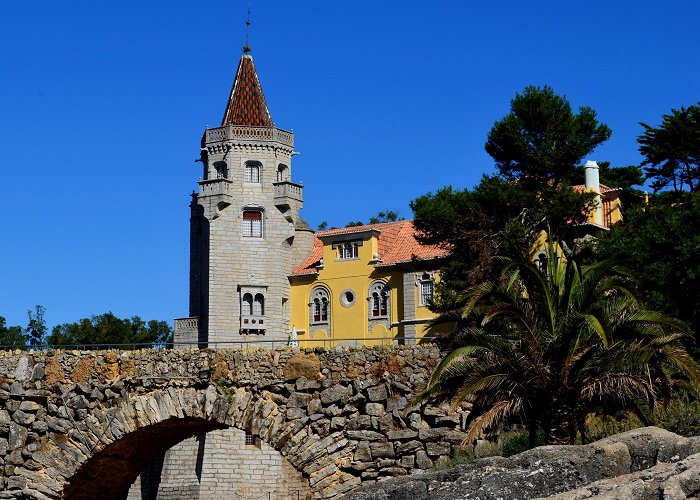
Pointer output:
x,y
246,47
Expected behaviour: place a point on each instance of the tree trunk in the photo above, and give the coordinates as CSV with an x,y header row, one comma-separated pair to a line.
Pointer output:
x,y
560,426
532,434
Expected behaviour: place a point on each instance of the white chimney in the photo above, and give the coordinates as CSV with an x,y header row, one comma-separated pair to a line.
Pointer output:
x,y
593,184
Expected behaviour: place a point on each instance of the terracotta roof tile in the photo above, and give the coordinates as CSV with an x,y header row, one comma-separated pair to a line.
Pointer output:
x,y
397,244
246,104
580,188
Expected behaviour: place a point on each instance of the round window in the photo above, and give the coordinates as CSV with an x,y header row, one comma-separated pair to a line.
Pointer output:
x,y
347,297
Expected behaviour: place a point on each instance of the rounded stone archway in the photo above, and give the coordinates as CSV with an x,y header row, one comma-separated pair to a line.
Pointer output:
x,y
105,460
78,423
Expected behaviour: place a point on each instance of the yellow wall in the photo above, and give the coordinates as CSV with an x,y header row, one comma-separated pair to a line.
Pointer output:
x,y
351,322
615,207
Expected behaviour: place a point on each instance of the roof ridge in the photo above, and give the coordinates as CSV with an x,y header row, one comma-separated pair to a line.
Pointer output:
x,y
364,227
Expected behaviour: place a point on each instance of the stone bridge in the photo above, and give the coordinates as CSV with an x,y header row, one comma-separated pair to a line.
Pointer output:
x,y
82,425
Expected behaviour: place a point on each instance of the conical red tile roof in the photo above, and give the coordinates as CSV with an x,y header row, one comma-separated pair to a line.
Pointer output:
x,y
246,104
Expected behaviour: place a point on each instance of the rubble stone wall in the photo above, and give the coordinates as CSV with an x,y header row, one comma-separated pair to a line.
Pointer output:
x,y
340,417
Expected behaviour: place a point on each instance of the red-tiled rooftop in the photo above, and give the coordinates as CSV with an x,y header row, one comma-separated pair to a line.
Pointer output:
x,y
246,104
397,244
603,188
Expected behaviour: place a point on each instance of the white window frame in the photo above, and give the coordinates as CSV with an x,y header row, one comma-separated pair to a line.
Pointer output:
x,y
320,303
348,250
426,292
379,301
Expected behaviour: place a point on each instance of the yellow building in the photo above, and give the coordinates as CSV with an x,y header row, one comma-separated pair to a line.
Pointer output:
x,y
607,210
366,285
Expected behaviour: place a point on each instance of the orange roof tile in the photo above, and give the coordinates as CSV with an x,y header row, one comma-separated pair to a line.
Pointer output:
x,y
246,104
397,244
580,188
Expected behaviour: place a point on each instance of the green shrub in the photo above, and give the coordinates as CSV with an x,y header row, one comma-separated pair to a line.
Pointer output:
x,y
681,415
517,443
602,426
467,454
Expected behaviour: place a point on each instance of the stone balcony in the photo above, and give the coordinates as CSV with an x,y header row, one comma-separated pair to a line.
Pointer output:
x,y
240,132
287,193
219,189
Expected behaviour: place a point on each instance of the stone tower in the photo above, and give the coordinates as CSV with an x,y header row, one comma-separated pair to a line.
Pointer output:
x,y
245,230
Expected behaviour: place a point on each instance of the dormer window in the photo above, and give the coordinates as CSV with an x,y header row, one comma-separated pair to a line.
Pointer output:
x,y
252,172
348,250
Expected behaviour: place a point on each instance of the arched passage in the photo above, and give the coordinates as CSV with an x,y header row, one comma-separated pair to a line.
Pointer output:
x,y
108,451
110,473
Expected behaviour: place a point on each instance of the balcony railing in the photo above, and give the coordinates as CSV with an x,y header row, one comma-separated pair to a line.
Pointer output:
x,y
186,331
216,187
186,324
231,132
284,191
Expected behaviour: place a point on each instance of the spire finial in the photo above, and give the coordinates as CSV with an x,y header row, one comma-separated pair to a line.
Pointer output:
x,y
246,47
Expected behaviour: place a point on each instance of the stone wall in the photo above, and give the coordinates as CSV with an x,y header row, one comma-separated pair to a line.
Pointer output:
x,y
340,417
220,465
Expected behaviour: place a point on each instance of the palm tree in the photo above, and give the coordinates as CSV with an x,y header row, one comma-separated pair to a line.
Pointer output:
x,y
551,340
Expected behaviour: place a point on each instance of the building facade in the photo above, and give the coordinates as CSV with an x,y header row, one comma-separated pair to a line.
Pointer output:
x,y
259,273
366,285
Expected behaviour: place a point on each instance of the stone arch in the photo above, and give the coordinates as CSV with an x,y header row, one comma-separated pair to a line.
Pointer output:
x,y
116,442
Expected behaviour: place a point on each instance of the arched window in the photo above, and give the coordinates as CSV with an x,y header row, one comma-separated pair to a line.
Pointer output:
x,y
319,306
252,172
282,172
259,305
252,310
379,300
221,170
247,305
252,224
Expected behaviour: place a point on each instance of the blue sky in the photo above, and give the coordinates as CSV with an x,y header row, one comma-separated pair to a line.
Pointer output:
x,y
102,105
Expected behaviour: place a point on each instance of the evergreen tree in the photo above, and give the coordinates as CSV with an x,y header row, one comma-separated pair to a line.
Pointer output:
x,y
36,327
672,150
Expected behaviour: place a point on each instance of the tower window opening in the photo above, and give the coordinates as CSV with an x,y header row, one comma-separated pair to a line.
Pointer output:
x,y
247,308
252,224
221,170
282,173
252,172
259,305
